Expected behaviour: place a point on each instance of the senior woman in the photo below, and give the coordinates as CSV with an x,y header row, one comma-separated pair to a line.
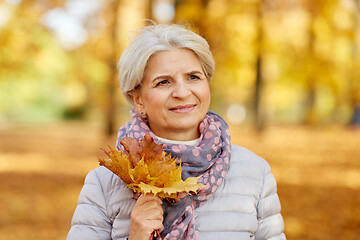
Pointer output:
x,y
165,74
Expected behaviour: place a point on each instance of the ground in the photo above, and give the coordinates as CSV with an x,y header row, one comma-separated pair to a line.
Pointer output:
x,y
42,170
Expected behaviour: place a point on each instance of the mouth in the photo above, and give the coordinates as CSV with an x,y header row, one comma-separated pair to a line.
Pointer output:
x,y
183,108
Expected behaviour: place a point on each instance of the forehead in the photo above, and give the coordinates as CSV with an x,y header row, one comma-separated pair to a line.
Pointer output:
x,y
175,59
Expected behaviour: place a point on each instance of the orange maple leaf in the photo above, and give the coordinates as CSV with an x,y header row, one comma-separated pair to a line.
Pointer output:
x,y
146,168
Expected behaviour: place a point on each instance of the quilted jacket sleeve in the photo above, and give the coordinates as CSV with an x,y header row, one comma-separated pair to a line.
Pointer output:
x,y
270,221
90,220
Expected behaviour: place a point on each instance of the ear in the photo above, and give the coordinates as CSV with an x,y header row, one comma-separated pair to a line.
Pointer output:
x,y
136,97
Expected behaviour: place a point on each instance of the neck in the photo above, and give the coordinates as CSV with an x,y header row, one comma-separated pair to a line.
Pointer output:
x,y
177,135
189,143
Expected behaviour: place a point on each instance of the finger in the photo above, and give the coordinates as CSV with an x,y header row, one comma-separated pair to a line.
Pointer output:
x,y
149,197
148,210
152,213
149,205
149,202
156,225
161,228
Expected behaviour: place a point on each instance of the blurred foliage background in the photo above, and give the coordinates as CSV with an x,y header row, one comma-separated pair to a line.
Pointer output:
x,y
287,79
294,61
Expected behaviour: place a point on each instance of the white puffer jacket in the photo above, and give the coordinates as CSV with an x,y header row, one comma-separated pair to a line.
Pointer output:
x,y
245,206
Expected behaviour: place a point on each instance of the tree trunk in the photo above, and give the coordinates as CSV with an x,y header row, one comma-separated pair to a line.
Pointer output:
x,y
111,106
355,88
258,113
309,116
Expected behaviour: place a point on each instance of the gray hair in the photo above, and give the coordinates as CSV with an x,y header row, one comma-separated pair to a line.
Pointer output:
x,y
156,38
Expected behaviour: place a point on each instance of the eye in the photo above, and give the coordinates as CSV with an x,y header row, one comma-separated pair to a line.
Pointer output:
x,y
193,77
162,82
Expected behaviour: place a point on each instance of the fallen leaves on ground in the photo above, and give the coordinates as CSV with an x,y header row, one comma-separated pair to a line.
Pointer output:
x,y
38,195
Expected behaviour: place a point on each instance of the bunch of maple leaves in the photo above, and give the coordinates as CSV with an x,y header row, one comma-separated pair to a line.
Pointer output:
x,y
146,168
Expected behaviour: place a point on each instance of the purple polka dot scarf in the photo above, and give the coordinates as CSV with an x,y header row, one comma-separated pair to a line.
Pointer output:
x,y
208,159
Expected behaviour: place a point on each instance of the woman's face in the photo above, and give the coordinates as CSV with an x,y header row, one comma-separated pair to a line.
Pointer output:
x,y
174,94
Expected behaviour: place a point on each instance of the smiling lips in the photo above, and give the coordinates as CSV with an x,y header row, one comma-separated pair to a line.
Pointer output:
x,y
183,108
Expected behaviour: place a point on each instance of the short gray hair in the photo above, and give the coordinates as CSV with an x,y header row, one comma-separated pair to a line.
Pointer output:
x,y
156,38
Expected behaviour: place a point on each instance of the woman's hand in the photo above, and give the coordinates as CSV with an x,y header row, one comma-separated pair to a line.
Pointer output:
x,y
146,216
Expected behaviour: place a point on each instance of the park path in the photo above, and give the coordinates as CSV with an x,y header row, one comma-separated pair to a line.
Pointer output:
x,y
42,169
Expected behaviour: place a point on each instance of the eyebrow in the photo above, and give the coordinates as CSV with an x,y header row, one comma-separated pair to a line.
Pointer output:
x,y
195,72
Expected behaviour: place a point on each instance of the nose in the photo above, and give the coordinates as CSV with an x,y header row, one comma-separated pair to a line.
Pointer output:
x,y
181,90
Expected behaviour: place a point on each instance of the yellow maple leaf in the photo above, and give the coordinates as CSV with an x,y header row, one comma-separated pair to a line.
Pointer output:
x,y
146,168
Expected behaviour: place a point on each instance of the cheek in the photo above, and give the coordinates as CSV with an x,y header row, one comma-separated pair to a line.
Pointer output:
x,y
206,96
154,102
